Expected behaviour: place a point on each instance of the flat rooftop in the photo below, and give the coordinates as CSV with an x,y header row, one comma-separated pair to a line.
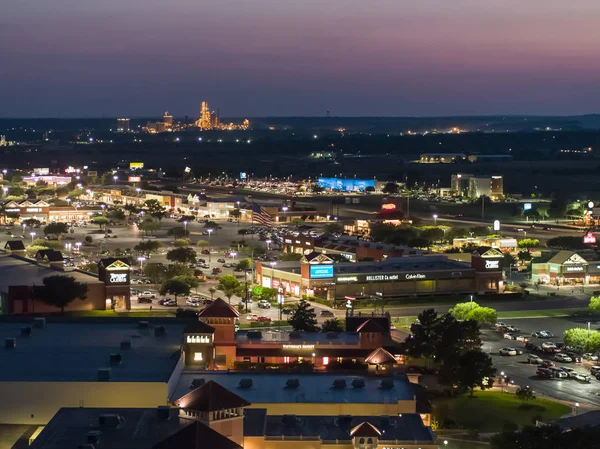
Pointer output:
x,y
346,338
16,271
74,350
313,388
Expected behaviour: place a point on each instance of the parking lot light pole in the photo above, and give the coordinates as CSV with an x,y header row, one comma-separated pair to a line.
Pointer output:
x,y
141,259
209,233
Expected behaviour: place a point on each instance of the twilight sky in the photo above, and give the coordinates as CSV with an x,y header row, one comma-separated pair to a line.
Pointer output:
x,y
93,58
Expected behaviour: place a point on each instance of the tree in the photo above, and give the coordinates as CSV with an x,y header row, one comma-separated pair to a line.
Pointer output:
x,y
178,232
528,243
59,291
155,272
594,306
116,214
32,222
333,325
56,229
475,370
424,335
175,287
483,315
333,228
182,255
588,340
244,264
100,220
509,260
432,235
545,437
235,213
181,243
461,310
147,247
242,232
229,285
191,281
202,243
296,221
524,256
153,206
132,209
107,178
304,318
148,226
390,188
525,394
288,257
212,292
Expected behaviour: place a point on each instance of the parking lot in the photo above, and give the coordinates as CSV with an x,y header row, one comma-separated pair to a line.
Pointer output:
x,y
522,373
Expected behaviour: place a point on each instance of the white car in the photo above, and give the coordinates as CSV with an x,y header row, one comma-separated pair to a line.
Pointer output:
x,y
508,351
264,304
582,377
251,316
534,359
563,358
591,357
192,302
548,345
509,336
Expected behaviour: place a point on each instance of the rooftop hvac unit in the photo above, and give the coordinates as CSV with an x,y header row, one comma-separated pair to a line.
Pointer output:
x,y
10,343
245,383
104,374
93,437
110,420
198,382
39,322
358,383
115,359
126,344
386,384
25,332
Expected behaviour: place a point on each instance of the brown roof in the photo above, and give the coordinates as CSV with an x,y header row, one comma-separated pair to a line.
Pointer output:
x,y
197,327
15,245
365,429
196,436
369,326
380,356
219,309
210,397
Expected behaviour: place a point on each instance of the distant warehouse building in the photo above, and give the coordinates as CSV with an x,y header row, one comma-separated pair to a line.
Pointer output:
x,y
441,158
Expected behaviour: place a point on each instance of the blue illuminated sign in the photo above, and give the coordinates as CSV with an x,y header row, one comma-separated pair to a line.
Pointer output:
x,y
527,206
346,185
321,271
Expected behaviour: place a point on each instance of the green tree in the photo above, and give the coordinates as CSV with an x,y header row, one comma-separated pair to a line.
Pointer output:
x,y
333,325
304,318
192,281
235,213
76,194
528,243
594,306
242,232
202,243
588,340
149,225
483,315
566,242
212,292
390,188
244,264
56,229
524,256
288,257
107,179
333,228
432,235
100,220
296,222
175,287
509,260
229,285
153,207
525,394
178,232
132,209
475,370
147,247
156,272
424,335
59,291
181,243
462,310
31,222
182,255
116,214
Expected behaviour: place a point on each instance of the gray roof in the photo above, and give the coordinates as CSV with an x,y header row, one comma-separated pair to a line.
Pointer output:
x,y
313,388
408,427
17,271
74,350
591,419
141,428
394,264
321,338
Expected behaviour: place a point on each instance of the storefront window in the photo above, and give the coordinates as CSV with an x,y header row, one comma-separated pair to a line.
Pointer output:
x,y
197,356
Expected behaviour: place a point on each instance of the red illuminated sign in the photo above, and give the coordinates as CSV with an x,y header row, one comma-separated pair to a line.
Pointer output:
x,y
589,238
135,179
388,206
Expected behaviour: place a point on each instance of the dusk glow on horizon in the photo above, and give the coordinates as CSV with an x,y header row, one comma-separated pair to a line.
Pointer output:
x,y
72,58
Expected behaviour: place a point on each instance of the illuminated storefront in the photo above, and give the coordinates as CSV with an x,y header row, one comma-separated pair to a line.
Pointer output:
x,y
566,268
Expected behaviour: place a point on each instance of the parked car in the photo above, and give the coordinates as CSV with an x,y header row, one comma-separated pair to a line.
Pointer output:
x,y
326,313
509,336
264,304
207,301
542,334
564,358
192,302
216,270
570,371
595,370
508,351
533,347
263,319
221,260
544,373
148,294
534,359
557,372
582,377
547,364
591,357
512,329
251,316
144,300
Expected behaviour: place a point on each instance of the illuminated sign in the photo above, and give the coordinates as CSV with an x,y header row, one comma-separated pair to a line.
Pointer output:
x,y
243,175
492,264
12,210
321,271
117,278
574,268
307,347
136,165
34,209
527,206
383,277
388,206
93,173
134,179
187,170
496,225
347,279
288,241
41,171
416,276
589,238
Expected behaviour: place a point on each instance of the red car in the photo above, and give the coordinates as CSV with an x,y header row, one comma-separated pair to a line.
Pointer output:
x,y
547,364
216,270
263,319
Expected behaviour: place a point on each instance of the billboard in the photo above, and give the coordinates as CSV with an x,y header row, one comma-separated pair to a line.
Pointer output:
x,y
346,185
41,171
243,175
136,165
589,238
321,271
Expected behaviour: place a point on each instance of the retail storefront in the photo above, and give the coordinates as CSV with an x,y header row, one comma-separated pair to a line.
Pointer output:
x,y
17,211
566,268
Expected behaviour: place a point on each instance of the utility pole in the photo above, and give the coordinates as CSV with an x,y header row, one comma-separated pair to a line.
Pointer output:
x,y
482,208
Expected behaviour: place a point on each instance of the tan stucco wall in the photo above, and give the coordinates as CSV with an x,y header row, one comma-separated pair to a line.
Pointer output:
x,y
37,402
319,409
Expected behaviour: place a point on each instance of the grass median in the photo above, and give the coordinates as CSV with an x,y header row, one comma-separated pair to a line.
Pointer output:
x,y
545,313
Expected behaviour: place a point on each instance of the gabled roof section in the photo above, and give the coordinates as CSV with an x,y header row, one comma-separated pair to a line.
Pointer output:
x,y
365,429
210,397
316,258
197,327
219,309
369,326
380,357
117,263
488,251
195,436
568,257
14,245
49,255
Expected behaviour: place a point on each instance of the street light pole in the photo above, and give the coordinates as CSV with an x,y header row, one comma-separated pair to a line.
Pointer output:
x,y
185,228
209,233
435,217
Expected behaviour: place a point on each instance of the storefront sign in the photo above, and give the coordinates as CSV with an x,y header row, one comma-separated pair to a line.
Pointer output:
x,y
388,207
288,241
307,347
589,238
573,269
321,271
12,210
347,279
134,179
118,278
383,277
136,165
416,276
492,264
34,209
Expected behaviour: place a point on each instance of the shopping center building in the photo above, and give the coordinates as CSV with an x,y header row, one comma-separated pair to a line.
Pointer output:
x,y
566,268
15,211
317,275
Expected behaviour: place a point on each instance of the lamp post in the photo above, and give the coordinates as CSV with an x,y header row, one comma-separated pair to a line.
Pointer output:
x,y
233,254
185,228
141,259
210,231
78,245
435,217
24,226
32,234
576,408
445,443
68,247
115,178
285,209
268,242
